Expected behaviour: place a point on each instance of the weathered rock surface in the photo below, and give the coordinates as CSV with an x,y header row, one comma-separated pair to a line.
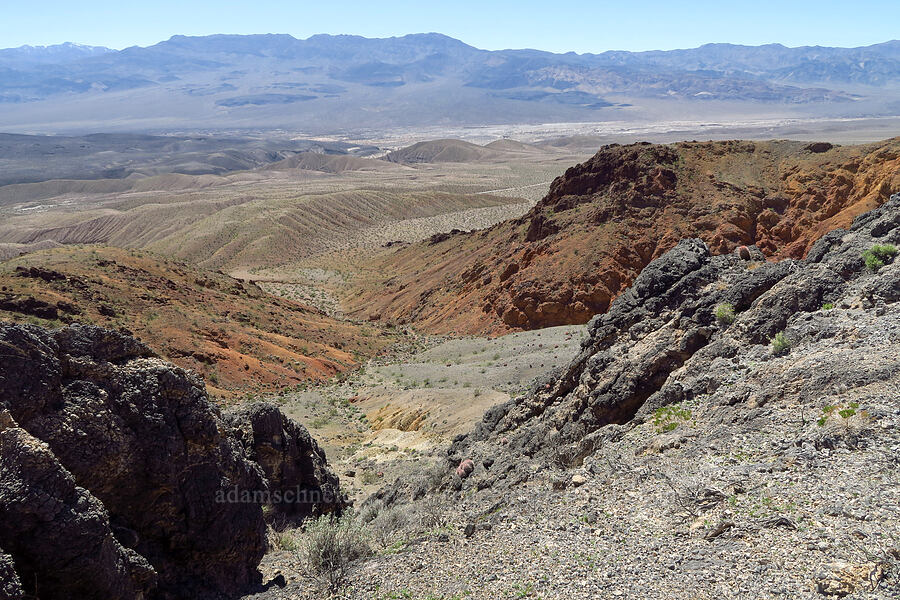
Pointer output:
x,y
117,471
10,585
60,533
300,482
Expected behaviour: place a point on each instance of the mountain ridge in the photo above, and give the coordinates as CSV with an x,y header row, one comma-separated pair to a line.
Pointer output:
x,y
340,82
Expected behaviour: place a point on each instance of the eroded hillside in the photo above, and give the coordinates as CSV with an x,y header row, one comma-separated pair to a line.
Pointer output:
x,y
240,338
607,218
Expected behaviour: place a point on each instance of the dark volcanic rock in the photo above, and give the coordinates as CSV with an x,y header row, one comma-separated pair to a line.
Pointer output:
x,y
26,305
10,585
140,436
300,481
58,532
660,344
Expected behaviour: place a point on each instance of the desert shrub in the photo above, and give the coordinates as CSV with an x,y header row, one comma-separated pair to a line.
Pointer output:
x,y
879,255
725,313
369,511
328,548
368,477
780,344
431,512
828,306
284,540
844,412
388,525
667,418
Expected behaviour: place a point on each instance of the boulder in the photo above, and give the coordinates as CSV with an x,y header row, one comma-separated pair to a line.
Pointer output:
x,y
300,482
839,579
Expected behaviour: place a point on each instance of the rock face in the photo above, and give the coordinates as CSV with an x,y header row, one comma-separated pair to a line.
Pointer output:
x,y
660,344
59,532
300,481
10,586
124,454
604,220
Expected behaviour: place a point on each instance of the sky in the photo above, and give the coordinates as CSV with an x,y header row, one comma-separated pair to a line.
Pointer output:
x,y
558,26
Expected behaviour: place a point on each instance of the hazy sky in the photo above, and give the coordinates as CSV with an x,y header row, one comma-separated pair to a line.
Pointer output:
x,y
560,25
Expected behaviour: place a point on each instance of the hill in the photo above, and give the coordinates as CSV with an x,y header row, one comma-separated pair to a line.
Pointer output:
x,y
509,145
327,163
436,151
606,219
238,337
117,156
334,84
291,209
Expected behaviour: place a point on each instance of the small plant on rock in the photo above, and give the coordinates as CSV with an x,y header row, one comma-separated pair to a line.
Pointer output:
x,y
667,418
845,412
879,255
780,344
725,313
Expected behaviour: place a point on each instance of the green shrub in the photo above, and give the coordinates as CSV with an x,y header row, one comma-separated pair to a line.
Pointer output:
x,y
879,255
780,344
828,306
667,418
725,313
845,412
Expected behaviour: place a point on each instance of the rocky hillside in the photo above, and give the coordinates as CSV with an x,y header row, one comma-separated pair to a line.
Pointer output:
x,y
118,479
730,429
239,338
606,219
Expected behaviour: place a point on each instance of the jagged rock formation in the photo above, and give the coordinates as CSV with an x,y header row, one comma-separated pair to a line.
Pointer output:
x,y
300,481
660,344
604,220
116,472
59,533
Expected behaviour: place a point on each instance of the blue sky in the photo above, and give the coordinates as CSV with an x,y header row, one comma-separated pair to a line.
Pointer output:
x,y
559,26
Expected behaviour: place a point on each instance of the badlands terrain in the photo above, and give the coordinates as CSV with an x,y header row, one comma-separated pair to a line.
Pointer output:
x,y
542,369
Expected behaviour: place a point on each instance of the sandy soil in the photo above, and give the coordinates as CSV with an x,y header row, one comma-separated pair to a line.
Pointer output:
x,y
387,418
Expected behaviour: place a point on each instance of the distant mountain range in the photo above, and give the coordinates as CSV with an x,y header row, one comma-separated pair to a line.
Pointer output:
x,y
330,83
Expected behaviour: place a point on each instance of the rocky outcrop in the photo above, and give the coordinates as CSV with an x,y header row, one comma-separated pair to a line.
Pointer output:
x,y
604,220
10,585
120,479
300,482
59,533
661,343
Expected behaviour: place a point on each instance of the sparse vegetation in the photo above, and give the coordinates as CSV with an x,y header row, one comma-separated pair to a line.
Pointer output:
x,y
844,412
329,547
879,255
725,313
388,525
667,418
781,345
